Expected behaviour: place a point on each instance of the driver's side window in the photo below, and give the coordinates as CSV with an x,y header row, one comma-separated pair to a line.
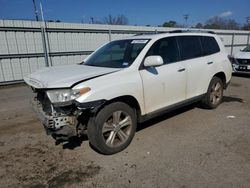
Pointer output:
x,y
166,48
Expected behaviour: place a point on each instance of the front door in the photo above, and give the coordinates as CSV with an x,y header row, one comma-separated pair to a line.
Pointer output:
x,y
164,85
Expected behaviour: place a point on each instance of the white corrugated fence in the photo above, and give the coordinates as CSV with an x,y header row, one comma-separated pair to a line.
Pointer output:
x,y
22,49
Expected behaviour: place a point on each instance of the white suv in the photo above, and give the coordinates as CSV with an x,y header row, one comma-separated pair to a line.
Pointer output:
x,y
128,81
241,61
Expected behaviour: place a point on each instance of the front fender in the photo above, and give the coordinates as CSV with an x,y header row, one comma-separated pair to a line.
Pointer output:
x,y
118,84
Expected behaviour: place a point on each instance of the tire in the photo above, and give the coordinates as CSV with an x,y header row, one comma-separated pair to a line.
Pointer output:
x,y
113,128
214,94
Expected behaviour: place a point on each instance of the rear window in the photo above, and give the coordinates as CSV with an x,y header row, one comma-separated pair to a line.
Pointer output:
x,y
209,45
190,47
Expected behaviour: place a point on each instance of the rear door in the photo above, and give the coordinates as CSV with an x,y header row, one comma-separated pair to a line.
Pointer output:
x,y
164,85
191,53
200,54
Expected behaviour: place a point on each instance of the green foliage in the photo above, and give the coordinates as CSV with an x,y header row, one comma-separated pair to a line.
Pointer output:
x,y
221,23
216,22
170,23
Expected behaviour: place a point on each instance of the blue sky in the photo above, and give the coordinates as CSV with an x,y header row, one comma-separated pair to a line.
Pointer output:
x,y
139,12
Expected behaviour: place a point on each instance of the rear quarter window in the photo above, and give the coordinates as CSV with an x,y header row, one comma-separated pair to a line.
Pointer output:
x,y
209,45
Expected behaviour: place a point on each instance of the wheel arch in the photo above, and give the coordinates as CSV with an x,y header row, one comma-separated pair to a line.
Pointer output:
x,y
129,100
222,76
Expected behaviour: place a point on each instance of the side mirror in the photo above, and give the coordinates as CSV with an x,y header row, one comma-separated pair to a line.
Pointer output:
x,y
153,61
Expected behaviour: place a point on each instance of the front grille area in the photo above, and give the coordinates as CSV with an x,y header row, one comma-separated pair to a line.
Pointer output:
x,y
243,61
242,70
44,101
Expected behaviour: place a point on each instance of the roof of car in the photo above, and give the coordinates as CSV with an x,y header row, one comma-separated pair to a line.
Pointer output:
x,y
172,33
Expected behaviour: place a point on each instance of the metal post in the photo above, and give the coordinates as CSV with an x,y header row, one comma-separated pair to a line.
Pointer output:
x,y
44,47
232,44
48,41
2,70
248,39
110,35
12,72
44,39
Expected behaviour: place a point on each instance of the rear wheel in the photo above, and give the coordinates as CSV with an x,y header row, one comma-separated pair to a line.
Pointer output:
x,y
214,94
113,128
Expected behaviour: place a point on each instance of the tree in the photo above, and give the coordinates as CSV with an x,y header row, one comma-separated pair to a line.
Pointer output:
x,y
116,20
221,23
215,23
232,24
246,26
170,23
199,26
92,20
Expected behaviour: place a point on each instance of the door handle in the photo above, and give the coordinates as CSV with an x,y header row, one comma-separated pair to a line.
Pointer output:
x,y
181,70
209,63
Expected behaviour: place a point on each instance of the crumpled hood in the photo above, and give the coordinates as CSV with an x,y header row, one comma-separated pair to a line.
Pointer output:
x,y
64,76
242,55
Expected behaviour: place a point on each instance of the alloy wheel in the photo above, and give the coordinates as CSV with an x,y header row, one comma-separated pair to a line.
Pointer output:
x,y
216,93
117,128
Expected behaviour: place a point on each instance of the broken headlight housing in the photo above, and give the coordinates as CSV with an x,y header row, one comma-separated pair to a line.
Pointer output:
x,y
65,96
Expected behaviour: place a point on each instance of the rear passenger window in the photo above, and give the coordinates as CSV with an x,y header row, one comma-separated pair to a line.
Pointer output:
x,y
166,48
209,45
190,47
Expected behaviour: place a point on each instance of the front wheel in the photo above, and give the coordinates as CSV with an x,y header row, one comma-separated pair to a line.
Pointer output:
x,y
214,94
113,128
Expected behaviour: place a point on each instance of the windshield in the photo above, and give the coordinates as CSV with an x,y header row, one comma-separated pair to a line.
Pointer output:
x,y
247,49
117,54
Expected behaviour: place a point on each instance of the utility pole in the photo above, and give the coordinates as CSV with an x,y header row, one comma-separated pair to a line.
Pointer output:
x,y
186,16
248,19
43,31
35,10
92,20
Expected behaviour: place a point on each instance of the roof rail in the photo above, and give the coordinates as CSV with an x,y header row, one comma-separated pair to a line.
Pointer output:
x,y
147,33
175,31
191,30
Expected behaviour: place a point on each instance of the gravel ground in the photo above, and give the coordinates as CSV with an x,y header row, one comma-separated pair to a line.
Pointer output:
x,y
190,147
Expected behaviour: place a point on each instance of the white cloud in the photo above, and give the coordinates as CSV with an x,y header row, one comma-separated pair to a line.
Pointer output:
x,y
226,14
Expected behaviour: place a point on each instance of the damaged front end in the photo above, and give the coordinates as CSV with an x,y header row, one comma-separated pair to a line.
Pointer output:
x,y
62,122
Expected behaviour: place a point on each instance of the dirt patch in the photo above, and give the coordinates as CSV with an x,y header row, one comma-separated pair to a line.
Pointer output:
x,y
2,143
41,166
240,146
235,84
16,127
70,177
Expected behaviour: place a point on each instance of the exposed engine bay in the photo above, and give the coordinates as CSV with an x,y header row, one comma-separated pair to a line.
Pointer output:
x,y
62,122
